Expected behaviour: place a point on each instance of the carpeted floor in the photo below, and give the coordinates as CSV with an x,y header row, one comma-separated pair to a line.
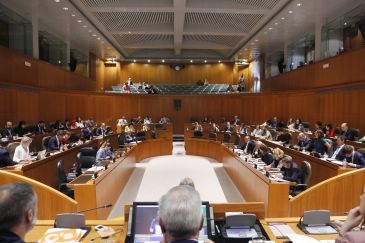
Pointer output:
x,y
155,176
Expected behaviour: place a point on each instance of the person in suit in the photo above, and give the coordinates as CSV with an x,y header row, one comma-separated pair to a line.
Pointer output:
x,y
122,121
214,128
304,142
236,121
185,202
256,153
8,130
354,219
290,170
5,159
21,152
18,207
298,125
104,152
21,130
54,143
244,129
266,155
320,145
257,131
228,127
283,136
101,131
40,128
147,120
266,134
275,123
354,158
336,151
87,133
206,120
198,127
248,145
346,132
318,126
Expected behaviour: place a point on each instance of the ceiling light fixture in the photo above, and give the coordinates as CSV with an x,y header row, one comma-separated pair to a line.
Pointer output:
x,y
73,15
90,31
163,60
276,23
148,60
219,61
270,28
94,35
299,4
65,8
191,61
283,18
134,60
98,38
290,11
205,61
79,21
57,1
85,26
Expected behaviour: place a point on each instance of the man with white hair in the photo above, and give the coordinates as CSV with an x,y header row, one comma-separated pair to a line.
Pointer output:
x,y
180,215
18,207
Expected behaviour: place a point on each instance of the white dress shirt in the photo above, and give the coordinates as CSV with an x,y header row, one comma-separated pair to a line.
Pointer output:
x,y
21,154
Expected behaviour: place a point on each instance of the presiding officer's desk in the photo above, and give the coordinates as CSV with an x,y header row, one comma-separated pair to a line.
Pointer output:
x,y
45,170
292,222
118,225
252,184
108,185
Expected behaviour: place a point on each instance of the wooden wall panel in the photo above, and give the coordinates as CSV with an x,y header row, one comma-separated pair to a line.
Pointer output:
x,y
163,73
51,76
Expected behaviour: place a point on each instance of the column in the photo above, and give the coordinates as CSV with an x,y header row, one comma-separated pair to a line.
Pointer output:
x,y
35,24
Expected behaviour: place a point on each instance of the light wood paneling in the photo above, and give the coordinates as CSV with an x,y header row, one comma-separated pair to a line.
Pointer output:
x,y
50,201
337,194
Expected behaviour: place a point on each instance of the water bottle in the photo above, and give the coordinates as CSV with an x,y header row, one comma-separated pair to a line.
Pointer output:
x,y
344,163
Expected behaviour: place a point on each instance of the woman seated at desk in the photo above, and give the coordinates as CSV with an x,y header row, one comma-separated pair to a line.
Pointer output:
x,y
290,170
320,145
21,152
104,152
278,156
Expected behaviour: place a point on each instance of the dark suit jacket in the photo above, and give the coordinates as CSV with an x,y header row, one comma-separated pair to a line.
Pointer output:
x,y
250,146
9,237
267,158
5,159
236,122
293,174
285,137
39,130
357,159
53,144
87,134
306,144
7,132
349,135
340,155
100,131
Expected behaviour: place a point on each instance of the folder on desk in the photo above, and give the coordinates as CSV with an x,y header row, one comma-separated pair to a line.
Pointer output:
x,y
62,235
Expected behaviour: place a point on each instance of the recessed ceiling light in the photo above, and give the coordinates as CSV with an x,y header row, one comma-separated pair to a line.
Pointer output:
x,y
85,26
299,4
79,21
57,1
98,38
256,40
73,15
345,23
282,18
163,60
270,28
219,61
94,35
134,60
290,11
148,60
90,31
129,32
65,8
205,61
191,61
276,23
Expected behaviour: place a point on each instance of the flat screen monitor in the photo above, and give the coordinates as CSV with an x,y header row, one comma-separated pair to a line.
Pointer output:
x,y
145,228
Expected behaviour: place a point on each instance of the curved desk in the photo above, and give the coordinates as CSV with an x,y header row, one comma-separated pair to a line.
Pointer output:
x,y
252,184
107,187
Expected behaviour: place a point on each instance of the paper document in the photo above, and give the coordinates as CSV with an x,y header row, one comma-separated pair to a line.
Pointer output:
x,y
295,238
62,235
281,230
241,233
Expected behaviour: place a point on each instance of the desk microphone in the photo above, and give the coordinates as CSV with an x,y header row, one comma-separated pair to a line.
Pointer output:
x,y
92,209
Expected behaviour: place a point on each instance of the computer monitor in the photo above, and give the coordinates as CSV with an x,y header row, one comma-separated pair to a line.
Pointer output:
x,y
145,227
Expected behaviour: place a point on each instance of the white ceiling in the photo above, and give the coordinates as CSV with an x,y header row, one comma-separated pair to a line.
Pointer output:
x,y
180,29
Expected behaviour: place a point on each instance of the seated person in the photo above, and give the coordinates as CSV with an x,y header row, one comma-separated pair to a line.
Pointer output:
x,y
256,153
198,127
185,202
65,140
346,132
278,156
228,127
130,137
244,129
21,152
236,121
101,131
8,130
40,128
329,131
290,170
137,120
320,145
145,128
21,130
122,121
258,131
354,219
283,136
89,122
299,126
266,134
5,159
362,139
164,120
79,123
248,146
87,133
54,143
354,158
147,120
304,142
18,207
266,155
290,124
275,123
318,126
336,151
58,125
104,152
206,120
214,128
